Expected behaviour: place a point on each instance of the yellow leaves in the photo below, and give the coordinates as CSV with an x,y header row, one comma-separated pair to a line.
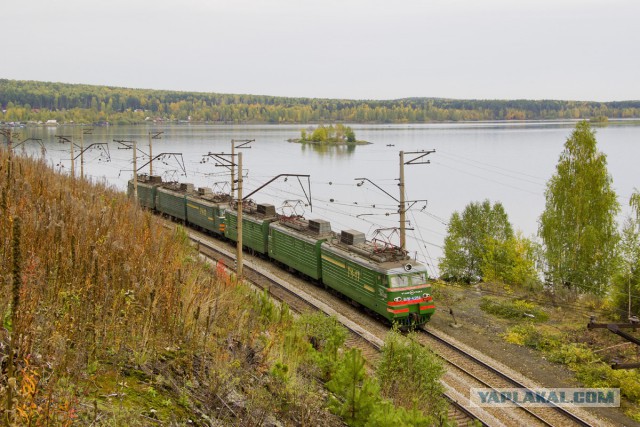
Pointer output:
x,y
30,405
29,385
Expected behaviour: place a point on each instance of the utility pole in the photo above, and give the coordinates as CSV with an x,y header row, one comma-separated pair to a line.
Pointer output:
x,y
239,246
223,161
152,136
6,132
135,171
244,144
73,161
135,162
403,210
233,172
402,202
62,139
83,132
81,154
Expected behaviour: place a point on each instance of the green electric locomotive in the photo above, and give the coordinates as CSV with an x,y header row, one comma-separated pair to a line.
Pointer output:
x,y
295,242
147,190
171,200
255,225
380,277
206,210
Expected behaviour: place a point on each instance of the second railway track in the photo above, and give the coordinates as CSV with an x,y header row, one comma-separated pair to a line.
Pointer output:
x,y
463,369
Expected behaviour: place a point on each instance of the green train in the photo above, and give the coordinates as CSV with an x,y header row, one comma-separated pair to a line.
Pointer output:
x,y
381,278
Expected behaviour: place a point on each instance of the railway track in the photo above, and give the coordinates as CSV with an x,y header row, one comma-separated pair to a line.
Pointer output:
x,y
464,370
472,371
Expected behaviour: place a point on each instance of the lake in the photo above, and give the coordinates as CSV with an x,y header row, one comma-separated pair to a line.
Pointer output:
x,y
506,162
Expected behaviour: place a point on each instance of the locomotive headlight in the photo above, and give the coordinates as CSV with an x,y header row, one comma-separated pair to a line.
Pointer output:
x,y
396,299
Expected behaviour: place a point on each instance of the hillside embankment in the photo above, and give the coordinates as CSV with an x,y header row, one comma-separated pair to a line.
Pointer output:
x,y
108,318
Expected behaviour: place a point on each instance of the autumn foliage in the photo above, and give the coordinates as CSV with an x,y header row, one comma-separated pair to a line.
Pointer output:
x,y
110,317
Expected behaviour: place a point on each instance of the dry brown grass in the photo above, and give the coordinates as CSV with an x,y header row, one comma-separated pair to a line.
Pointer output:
x,y
117,320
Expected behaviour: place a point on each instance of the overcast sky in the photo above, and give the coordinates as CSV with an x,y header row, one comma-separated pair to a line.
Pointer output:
x,y
355,49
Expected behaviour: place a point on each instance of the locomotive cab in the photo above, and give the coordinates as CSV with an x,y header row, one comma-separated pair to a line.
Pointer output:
x,y
409,300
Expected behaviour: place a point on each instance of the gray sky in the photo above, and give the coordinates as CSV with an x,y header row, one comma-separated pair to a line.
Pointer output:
x,y
355,49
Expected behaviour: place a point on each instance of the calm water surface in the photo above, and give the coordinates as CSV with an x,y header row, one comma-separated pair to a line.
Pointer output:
x,y
506,162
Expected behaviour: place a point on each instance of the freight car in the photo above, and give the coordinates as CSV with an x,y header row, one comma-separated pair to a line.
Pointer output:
x,y
380,277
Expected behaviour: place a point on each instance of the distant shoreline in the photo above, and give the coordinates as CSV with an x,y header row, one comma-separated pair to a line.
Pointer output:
x,y
610,121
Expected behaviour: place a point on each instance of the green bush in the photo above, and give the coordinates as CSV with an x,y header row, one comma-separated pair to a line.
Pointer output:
x,y
572,354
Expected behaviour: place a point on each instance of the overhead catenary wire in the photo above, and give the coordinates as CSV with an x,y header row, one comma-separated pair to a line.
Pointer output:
x,y
324,205
380,208
429,264
511,173
350,215
438,163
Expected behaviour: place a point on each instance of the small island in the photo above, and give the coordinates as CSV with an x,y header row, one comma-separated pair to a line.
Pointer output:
x,y
329,135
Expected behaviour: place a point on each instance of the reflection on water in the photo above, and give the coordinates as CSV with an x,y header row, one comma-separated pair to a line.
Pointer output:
x,y
330,149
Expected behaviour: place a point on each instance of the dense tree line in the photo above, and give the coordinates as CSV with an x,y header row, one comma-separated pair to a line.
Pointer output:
x,y
39,101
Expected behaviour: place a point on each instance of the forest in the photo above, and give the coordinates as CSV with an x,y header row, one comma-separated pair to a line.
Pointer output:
x,y
34,101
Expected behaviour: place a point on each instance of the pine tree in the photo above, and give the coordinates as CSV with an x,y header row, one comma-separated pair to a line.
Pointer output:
x,y
355,395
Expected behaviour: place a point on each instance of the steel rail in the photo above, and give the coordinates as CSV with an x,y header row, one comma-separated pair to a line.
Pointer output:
x,y
508,378
202,243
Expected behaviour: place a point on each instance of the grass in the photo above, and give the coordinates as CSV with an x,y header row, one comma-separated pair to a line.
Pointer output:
x,y
513,309
113,319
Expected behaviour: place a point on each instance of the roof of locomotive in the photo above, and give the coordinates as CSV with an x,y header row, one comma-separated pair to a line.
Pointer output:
x,y
302,228
252,211
153,180
387,260
210,199
176,188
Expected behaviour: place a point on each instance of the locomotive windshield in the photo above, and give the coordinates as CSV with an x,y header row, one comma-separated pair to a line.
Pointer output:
x,y
407,280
